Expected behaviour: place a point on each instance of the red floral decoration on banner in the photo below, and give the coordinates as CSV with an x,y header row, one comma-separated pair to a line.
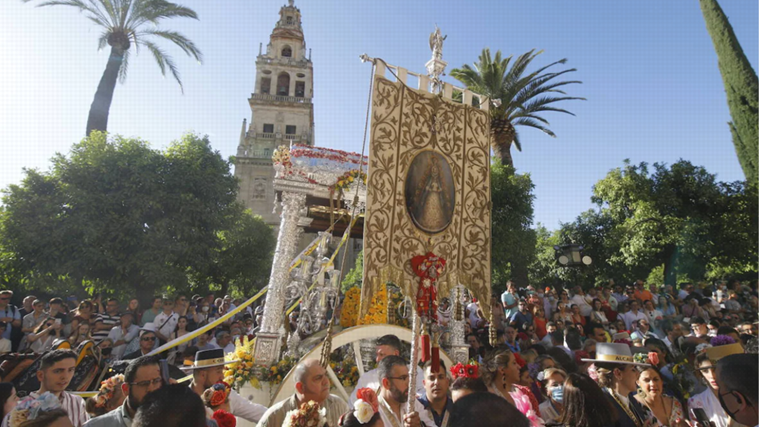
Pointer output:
x,y
224,418
368,395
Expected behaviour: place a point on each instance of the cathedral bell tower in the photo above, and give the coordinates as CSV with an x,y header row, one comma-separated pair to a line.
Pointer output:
x,y
281,112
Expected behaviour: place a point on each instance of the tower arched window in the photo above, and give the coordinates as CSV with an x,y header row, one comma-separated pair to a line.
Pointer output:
x,y
283,84
287,52
289,20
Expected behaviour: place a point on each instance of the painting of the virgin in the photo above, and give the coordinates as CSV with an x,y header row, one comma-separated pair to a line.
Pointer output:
x,y
429,191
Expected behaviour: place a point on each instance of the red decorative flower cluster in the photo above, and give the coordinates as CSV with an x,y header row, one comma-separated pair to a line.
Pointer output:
x,y
368,395
466,371
224,418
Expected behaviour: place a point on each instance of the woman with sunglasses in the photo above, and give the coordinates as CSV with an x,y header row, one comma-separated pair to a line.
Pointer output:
x,y
41,340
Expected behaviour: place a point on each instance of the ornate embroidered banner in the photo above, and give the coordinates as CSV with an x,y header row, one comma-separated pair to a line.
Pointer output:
x,y
428,191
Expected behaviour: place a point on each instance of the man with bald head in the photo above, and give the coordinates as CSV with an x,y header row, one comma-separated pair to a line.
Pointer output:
x,y
312,383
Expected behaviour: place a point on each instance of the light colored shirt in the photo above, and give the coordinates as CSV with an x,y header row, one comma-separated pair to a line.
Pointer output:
x,y
165,323
148,316
243,408
509,299
548,413
5,345
31,322
73,405
584,306
631,318
275,416
707,401
370,380
117,333
389,417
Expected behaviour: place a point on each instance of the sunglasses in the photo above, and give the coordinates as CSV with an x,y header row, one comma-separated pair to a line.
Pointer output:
x,y
148,339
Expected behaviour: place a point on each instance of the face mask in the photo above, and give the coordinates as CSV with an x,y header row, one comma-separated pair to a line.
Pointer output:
x,y
204,309
557,393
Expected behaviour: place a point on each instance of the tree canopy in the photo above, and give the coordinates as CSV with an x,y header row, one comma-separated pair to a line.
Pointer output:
x,y
116,216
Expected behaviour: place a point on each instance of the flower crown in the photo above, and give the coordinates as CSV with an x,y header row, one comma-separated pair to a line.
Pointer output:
x,y
31,407
107,388
651,358
466,371
308,415
366,405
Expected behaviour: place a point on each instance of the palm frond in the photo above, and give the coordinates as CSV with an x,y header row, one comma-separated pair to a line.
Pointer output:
x,y
183,42
516,142
155,10
103,40
124,67
534,124
164,61
93,12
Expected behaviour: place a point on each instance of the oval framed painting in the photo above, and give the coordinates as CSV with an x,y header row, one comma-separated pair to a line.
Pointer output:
x,y
429,192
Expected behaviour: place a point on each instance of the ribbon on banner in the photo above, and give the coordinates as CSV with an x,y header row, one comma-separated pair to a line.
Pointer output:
x,y
187,337
343,240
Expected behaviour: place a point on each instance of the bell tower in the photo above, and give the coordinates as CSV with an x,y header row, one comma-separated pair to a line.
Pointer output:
x,y
282,112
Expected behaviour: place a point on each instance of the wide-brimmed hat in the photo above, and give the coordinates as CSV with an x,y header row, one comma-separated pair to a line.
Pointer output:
x,y
721,351
208,359
614,353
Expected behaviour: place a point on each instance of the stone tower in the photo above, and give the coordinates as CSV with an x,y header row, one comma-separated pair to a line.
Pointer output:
x,y
281,112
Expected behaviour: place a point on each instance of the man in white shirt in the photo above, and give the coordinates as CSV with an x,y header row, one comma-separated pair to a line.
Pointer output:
x,y
55,374
207,370
393,372
122,334
579,299
166,321
634,315
387,345
5,343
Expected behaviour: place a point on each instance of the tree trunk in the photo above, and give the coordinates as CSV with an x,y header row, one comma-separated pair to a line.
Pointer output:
x,y
670,265
101,104
502,147
225,287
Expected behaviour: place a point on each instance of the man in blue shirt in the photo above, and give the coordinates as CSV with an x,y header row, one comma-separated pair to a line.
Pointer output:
x,y
509,301
522,318
9,313
436,400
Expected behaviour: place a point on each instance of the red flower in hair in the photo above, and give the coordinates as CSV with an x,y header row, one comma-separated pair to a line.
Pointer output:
x,y
224,418
519,359
458,371
368,395
471,371
654,358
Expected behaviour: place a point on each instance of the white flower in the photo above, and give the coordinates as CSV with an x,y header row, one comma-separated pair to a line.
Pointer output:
x,y
289,418
363,411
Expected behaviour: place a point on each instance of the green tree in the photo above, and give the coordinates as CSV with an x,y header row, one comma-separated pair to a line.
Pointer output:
x,y
741,84
354,277
513,241
117,216
125,23
524,96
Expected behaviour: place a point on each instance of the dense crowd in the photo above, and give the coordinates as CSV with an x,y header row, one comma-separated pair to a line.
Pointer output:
x,y
614,355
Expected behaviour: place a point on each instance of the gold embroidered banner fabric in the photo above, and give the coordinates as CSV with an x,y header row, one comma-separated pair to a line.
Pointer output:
x,y
429,190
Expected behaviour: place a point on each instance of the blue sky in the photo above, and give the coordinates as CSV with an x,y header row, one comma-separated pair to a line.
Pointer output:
x,y
648,67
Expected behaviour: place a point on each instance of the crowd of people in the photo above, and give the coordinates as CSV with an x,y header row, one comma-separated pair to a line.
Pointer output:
x,y
613,355
122,332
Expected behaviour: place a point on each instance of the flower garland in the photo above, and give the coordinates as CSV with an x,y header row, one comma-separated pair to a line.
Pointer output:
x,y
240,373
308,415
350,310
378,309
299,150
346,371
345,180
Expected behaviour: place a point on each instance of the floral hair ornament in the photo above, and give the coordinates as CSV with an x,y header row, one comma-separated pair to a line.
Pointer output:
x,y
220,393
366,405
702,348
466,371
308,415
107,389
651,358
224,418
30,408
719,340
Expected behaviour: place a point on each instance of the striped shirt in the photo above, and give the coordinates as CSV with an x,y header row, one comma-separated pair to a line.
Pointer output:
x,y
111,321
73,405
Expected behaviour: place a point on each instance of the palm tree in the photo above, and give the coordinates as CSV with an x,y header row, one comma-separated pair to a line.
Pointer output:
x,y
522,96
126,23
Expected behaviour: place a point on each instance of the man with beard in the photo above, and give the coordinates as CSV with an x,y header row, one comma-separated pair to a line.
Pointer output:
x,y
142,376
312,384
56,371
436,400
207,370
387,345
393,372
